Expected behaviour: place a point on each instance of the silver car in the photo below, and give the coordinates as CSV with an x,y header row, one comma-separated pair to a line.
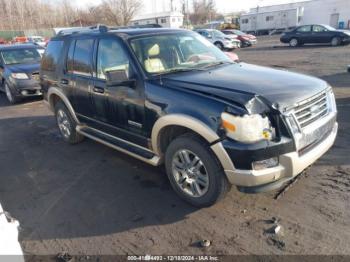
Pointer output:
x,y
219,39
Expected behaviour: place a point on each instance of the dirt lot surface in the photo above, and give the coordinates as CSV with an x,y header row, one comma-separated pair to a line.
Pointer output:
x,y
90,199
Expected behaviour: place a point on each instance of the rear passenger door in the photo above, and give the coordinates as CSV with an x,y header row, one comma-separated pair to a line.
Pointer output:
x,y
79,76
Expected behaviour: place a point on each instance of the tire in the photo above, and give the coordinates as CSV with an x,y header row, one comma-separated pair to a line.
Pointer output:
x,y
336,41
66,124
206,173
294,42
11,98
219,45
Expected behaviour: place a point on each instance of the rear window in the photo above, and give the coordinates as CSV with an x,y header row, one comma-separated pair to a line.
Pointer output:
x,y
51,55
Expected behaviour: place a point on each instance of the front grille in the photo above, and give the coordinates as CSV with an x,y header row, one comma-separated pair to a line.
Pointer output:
x,y
311,110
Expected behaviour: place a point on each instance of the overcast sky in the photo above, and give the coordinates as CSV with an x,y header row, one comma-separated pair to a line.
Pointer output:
x,y
224,6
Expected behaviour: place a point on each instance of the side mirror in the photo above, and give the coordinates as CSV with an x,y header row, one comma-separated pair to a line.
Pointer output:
x,y
119,78
210,36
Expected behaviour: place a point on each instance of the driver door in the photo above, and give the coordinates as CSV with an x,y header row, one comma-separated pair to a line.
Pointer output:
x,y
118,107
320,34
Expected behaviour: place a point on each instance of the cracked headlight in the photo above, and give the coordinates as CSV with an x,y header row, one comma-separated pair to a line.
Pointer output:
x,y
19,76
248,128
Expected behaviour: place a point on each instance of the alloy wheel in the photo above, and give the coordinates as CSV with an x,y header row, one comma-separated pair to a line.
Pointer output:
x,y
293,42
335,41
190,173
8,93
63,123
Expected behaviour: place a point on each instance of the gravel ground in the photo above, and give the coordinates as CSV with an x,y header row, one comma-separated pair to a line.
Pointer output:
x,y
90,200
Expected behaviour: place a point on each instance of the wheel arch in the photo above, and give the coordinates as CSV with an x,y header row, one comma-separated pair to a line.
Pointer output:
x,y
185,122
54,95
195,126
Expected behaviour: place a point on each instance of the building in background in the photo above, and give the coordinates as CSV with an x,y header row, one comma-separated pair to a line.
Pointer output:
x,y
170,19
267,19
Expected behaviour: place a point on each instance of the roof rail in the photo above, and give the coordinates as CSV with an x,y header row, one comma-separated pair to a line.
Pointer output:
x,y
102,29
76,30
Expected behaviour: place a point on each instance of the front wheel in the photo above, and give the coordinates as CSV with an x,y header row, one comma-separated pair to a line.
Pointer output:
x,y
194,172
11,98
294,42
66,124
335,41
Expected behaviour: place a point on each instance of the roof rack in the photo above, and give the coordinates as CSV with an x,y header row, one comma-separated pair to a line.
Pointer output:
x,y
102,29
76,30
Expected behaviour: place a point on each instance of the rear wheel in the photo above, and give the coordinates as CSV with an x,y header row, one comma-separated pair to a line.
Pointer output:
x,y
66,124
194,172
9,94
335,41
294,42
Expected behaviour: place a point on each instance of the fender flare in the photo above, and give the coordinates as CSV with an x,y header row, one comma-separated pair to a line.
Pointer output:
x,y
184,121
196,126
62,96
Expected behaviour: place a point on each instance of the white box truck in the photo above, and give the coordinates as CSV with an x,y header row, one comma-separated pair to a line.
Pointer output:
x,y
270,22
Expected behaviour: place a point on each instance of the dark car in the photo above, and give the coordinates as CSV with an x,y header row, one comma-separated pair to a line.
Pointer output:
x,y
246,39
167,96
19,71
315,34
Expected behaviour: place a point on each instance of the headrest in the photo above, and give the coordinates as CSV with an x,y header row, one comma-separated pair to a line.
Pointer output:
x,y
154,50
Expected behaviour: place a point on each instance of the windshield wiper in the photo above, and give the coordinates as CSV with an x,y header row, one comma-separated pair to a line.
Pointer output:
x,y
178,70
217,64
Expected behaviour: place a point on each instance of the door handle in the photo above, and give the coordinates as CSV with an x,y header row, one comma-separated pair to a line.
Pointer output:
x,y
98,90
64,82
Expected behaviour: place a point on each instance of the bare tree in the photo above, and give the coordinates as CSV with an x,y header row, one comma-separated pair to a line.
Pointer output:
x,y
203,11
120,12
35,14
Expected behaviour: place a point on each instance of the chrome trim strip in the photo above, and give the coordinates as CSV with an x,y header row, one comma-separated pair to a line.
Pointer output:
x,y
155,161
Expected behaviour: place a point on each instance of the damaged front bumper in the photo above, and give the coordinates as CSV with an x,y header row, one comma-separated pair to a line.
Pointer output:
x,y
290,163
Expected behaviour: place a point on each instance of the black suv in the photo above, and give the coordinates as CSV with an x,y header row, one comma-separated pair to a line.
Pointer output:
x,y
170,96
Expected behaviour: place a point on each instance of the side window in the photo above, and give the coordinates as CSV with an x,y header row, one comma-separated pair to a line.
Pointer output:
x,y
82,57
304,29
51,56
111,57
318,28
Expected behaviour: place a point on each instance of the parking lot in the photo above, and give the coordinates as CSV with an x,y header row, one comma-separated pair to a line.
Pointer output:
x,y
89,199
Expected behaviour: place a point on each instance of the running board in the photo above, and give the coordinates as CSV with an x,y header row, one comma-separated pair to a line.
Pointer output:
x,y
119,144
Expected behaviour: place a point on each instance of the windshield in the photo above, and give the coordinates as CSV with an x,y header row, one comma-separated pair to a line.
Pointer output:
x,y
21,56
329,28
176,52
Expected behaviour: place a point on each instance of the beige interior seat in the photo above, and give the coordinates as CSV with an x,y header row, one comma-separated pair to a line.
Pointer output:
x,y
153,63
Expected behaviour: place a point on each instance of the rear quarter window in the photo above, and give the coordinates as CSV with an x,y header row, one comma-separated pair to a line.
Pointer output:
x,y
51,56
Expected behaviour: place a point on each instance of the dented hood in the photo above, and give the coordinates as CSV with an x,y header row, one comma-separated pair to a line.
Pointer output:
x,y
246,84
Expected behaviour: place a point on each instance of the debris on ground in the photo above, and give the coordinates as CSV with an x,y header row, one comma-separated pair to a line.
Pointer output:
x,y
64,257
205,243
277,242
244,211
276,229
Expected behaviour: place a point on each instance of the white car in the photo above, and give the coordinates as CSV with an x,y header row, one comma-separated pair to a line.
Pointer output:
x,y
219,39
38,40
9,245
